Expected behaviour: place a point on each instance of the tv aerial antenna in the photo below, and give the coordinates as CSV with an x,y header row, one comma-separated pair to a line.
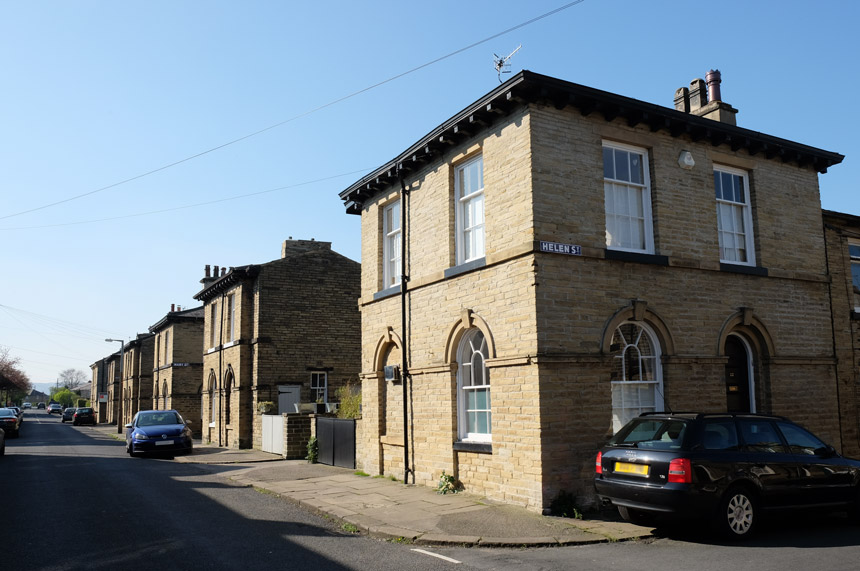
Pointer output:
x,y
502,64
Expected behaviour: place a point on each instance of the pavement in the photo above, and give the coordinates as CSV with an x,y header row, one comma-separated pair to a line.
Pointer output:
x,y
388,509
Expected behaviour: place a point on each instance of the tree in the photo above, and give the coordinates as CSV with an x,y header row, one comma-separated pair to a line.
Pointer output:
x,y
65,397
73,379
14,383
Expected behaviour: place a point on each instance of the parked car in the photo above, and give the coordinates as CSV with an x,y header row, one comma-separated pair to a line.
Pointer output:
x,y
729,468
159,431
69,413
18,410
2,442
84,415
41,405
54,407
10,421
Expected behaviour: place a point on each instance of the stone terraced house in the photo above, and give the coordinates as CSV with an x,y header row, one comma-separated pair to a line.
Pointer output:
x,y
575,258
177,372
136,393
286,327
842,235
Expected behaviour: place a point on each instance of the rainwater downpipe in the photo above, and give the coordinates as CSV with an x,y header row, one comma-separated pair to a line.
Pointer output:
x,y
404,279
220,364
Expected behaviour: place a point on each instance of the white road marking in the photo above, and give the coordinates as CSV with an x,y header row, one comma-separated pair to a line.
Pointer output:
x,y
437,555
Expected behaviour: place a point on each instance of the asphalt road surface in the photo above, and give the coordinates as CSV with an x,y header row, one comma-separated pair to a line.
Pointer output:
x,y
73,499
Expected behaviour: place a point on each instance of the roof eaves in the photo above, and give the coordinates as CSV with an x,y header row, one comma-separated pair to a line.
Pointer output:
x,y
529,87
225,282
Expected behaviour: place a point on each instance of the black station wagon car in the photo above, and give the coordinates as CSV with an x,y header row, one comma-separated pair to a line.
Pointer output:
x,y
729,468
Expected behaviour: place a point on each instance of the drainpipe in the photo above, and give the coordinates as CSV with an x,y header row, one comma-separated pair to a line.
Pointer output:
x,y
220,365
404,279
833,333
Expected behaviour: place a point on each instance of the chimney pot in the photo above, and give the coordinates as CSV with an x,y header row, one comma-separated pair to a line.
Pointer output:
x,y
217,271
207,270
172,308
714,79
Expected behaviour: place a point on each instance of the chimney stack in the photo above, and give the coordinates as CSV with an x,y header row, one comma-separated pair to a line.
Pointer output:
x,y
292,247
705,100
208,278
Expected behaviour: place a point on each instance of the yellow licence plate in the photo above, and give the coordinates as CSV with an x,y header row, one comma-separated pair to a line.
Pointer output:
x,y
625,468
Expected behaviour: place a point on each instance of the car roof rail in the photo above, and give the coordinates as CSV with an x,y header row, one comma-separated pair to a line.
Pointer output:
x,y
698,415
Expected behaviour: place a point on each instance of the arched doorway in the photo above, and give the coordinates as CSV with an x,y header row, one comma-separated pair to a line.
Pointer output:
x,y
740,383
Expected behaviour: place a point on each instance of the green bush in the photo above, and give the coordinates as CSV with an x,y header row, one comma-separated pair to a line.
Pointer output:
x,y
447,484
313,450
266,407
349,396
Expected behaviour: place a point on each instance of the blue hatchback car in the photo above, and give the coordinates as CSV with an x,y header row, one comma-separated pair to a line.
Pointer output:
x,y
158,431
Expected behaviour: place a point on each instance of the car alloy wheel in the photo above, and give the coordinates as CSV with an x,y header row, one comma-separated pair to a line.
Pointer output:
x,y
738,513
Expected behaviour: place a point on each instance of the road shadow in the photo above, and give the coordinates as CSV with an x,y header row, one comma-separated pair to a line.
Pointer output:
x,y
797,530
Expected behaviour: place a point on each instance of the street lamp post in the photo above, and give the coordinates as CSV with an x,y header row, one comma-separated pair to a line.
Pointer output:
x,y
118,392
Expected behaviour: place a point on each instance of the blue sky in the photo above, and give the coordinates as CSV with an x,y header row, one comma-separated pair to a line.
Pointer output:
x,y
96,93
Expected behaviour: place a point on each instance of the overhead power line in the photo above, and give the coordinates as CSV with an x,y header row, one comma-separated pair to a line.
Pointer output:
x,y
185,207
299,116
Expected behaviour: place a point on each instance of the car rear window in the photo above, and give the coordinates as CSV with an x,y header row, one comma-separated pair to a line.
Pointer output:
x,y
659,434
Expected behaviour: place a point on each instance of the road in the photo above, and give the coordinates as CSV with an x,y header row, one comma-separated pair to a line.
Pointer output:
x,y
73,499
79,502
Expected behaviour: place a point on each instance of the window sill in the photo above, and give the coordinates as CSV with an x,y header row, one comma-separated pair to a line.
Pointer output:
x,y
393,290
478,447
466,267
739,269
637,257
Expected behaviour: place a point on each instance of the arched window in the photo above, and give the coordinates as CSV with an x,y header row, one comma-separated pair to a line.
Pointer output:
x,y
637,377
213,398
228,389
473,388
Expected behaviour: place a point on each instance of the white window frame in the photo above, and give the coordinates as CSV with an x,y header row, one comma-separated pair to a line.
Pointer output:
x,y
855,270
213,398
213,320
471,239
391,255
469,354
231,317
622,411
620,225
319,382
728,227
